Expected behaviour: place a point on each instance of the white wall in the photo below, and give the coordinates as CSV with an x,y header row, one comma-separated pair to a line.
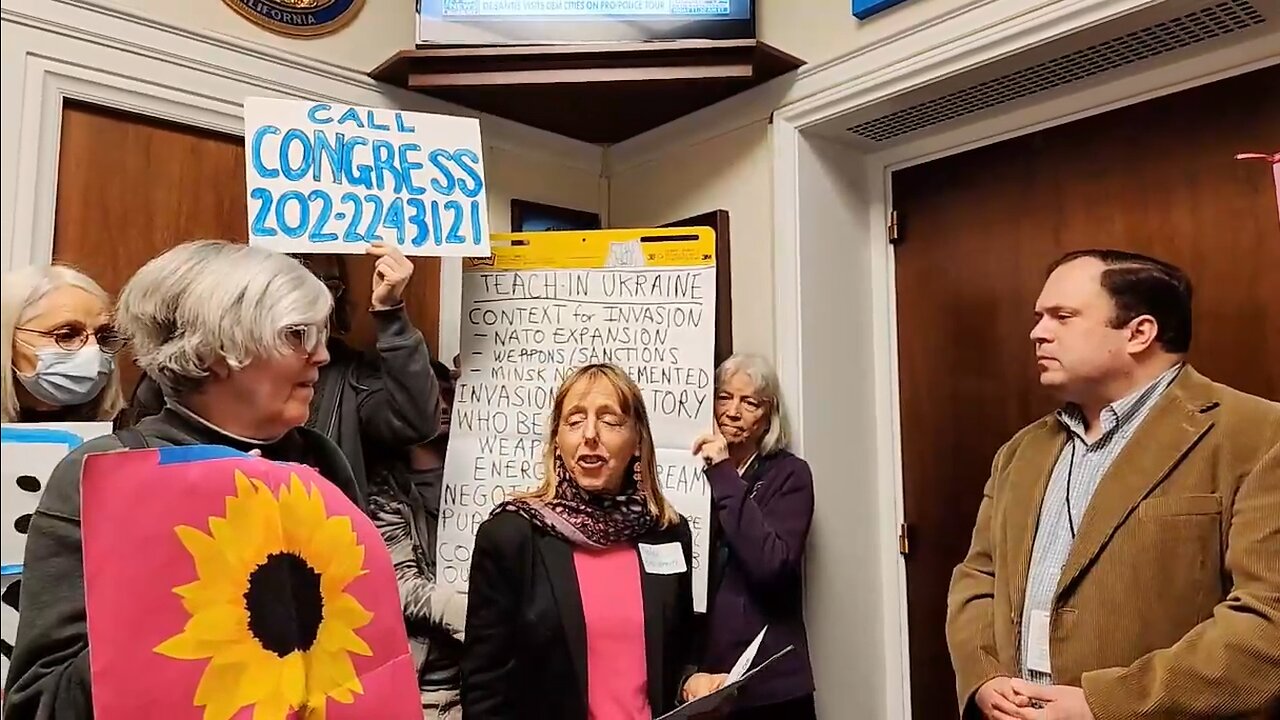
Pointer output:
x,y
512,175
819,30
729,172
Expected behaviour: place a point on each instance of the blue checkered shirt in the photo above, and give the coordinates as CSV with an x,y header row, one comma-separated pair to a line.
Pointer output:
x,y
1080,467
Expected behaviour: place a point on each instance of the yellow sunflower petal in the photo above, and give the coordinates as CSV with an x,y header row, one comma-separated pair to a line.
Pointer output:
x,y
221,622
300,516
262,681
199,595
346,565
346,610
185,646
211,563
217,689
247,651
333,539
335,636
313,712
332,674
268,511
271,708
239,543
293,680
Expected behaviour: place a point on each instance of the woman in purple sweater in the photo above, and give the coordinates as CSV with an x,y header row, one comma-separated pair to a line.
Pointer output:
x,y
763,505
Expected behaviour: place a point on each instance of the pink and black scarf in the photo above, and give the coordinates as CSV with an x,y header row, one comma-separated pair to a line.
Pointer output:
x,y
587,519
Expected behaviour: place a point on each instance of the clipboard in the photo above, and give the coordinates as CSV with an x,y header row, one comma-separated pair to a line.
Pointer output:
x,y
710,702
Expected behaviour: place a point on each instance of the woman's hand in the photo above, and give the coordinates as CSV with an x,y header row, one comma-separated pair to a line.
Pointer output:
x,y
701,684
711,447
391,275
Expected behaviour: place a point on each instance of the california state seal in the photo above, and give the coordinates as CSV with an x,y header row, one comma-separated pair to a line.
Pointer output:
x,y
298,17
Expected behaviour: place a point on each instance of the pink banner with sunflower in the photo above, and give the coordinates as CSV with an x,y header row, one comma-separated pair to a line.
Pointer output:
x,y
222,586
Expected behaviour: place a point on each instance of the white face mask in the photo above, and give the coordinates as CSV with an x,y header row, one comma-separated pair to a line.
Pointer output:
x,y
68,377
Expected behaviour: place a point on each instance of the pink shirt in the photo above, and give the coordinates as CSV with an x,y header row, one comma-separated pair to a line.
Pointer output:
x,y
612,606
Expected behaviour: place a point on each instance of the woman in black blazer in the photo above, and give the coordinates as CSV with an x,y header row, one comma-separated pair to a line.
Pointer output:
x,y
580,595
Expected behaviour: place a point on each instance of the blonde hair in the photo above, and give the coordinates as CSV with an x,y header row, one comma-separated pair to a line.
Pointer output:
x,y
210,300
632,403
764,381
23,290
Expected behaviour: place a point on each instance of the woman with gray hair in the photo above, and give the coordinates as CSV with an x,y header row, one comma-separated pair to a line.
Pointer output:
x,y
59,347
236,335
762,497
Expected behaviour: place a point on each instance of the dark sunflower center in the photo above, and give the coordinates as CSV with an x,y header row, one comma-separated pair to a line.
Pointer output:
x,y
284,603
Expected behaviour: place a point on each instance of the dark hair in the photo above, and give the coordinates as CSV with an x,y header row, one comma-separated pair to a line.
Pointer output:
x,y
1141,285
340,318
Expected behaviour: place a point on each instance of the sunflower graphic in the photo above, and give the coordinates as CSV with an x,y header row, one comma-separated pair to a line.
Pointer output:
x,y
269,607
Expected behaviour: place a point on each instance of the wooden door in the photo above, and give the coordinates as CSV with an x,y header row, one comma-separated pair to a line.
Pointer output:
x,y
131,187
978,231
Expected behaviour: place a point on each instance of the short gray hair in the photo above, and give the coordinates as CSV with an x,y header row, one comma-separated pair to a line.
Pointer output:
x,y
765,384
210,300
23,289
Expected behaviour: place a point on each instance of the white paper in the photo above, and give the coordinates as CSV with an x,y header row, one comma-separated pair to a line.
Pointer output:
x,y
744,661
522,333
665,559
10,587
1038,643
330,178
725,694
31,451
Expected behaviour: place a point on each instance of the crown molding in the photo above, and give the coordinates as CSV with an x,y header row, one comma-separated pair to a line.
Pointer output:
x,y
964,38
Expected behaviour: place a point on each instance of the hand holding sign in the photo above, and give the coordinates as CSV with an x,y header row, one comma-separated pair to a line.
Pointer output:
x,y
391,275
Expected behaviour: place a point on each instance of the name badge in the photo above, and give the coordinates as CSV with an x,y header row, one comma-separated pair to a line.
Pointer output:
x,y
1038,643
665,559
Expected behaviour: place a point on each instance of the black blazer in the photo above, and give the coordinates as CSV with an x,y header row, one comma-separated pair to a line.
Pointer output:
x,y
525,652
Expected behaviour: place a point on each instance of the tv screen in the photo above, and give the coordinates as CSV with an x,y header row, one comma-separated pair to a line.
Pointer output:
x,y
531,22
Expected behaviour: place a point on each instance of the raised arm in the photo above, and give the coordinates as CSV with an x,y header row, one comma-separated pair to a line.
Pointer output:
x,y
397,395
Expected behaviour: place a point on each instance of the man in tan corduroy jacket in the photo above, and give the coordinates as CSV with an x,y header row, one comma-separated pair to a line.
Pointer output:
x,y
1126,557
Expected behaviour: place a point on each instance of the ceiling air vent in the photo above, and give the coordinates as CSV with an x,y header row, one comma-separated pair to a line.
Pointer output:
x,y
1192,28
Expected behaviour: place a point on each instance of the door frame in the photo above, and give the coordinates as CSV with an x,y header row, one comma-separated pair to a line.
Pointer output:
x,y
98,52
831,250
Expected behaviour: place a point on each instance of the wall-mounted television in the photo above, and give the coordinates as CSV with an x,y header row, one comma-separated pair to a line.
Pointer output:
x,y
533,22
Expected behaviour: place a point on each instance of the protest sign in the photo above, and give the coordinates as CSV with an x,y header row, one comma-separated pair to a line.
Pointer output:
x,y
330,178
547,303
223,585
31,451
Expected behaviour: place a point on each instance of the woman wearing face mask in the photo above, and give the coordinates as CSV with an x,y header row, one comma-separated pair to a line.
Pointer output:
x,y
59,347
580,598
236,335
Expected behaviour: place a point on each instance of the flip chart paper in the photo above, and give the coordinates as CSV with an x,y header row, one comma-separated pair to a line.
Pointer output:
x,y
547,303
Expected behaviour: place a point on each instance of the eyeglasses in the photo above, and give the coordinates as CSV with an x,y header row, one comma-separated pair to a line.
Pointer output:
x,y
306,338
73,337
